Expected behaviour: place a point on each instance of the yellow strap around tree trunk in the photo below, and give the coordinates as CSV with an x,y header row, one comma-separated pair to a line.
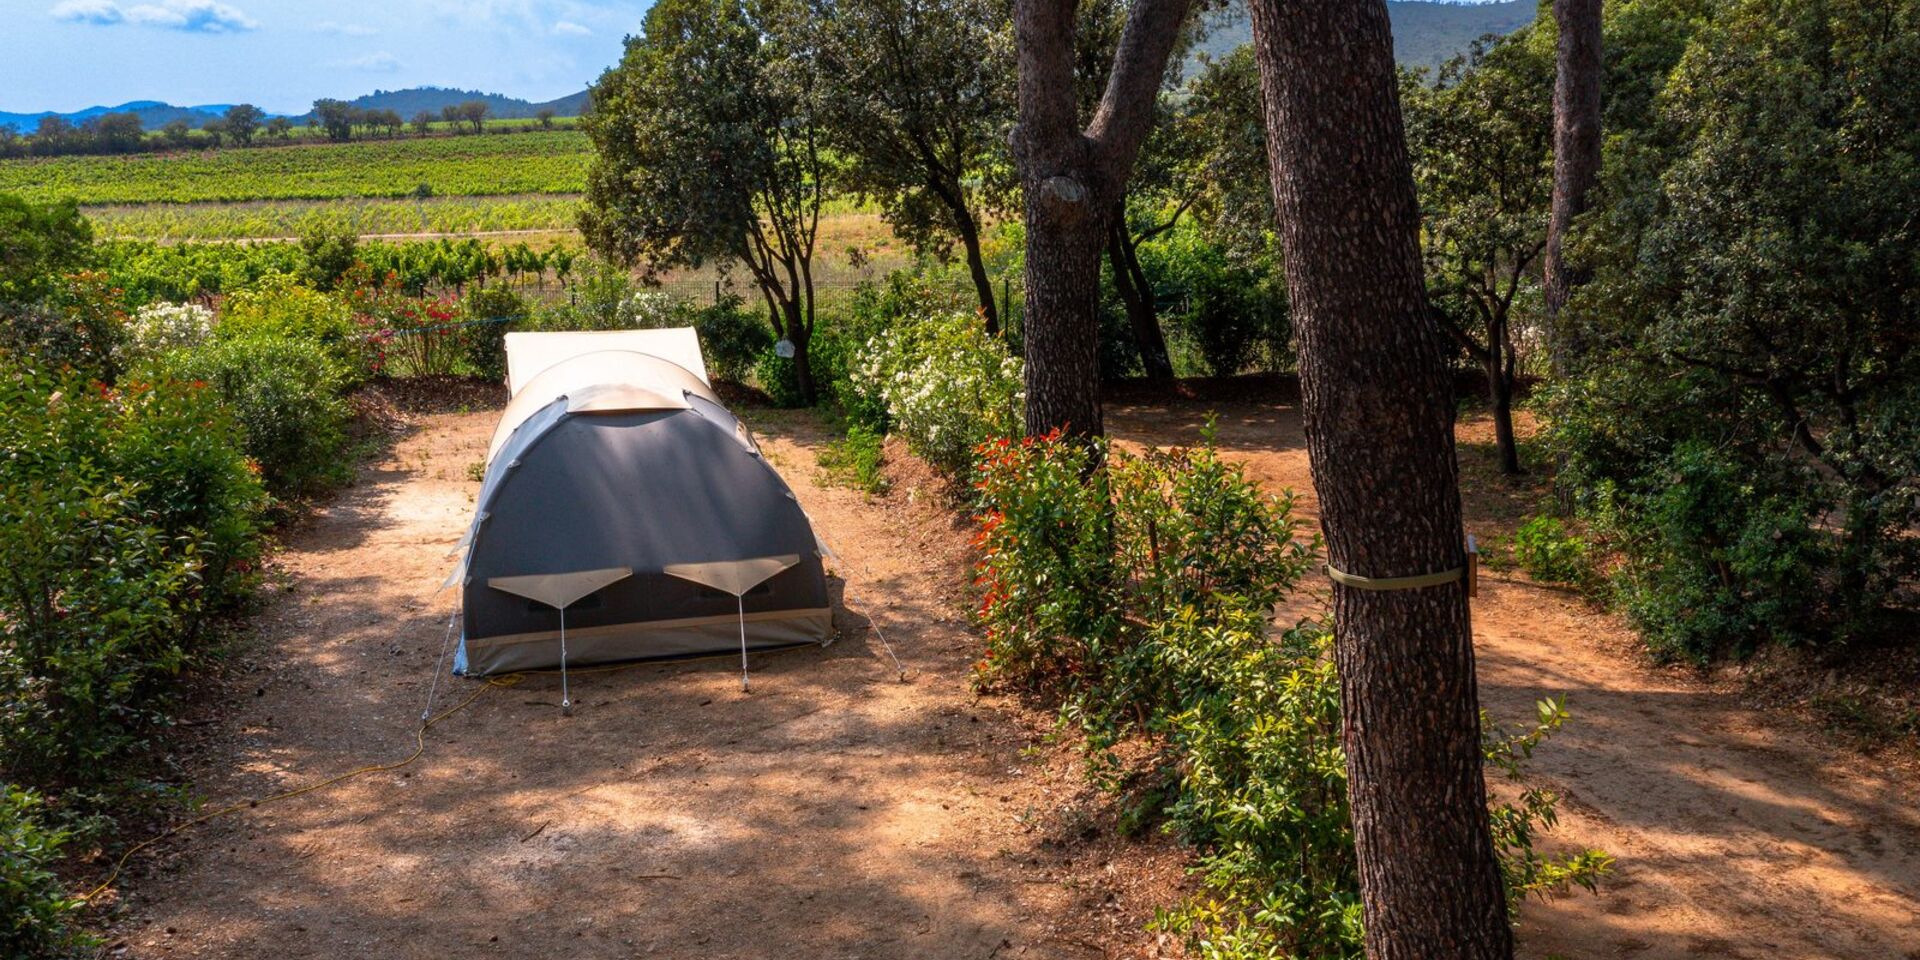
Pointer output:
x,y
1395,583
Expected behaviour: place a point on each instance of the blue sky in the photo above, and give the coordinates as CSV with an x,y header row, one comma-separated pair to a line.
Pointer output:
x,y
282,54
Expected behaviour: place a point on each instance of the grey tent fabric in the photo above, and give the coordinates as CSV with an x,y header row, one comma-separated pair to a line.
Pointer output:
x,y
621,460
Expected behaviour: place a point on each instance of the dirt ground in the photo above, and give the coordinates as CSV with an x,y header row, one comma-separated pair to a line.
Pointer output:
x,y
1737,834
837,812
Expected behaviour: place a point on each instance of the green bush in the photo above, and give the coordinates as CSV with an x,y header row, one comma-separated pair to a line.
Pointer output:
x,y
1715,563
128,519
1548,553
1234,314
35,912
1721,541
1138,595
489,311
945,385
732,338
281,309
286,396
79,324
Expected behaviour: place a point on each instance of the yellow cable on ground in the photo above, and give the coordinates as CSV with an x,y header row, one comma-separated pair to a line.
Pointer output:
x,y
419,747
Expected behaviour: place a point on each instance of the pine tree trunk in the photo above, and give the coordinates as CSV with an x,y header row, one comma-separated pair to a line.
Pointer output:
x,y
977,269
1576,161
1137,296
1378,411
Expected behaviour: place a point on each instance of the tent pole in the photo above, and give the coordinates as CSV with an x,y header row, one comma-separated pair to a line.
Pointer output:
x,y
566,699
445,642
741,599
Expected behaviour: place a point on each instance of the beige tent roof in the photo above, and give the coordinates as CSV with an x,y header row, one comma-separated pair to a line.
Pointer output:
x,y
601,382
531,354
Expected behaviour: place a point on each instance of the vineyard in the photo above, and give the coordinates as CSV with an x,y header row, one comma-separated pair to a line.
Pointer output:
x,y
293,218
522,163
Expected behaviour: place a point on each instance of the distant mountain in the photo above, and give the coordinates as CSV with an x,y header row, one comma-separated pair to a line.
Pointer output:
x,y
1425,34
406,103
154,114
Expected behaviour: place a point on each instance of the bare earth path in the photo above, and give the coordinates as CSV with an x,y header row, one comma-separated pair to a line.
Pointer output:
x,y
839,813
1737,835
835,812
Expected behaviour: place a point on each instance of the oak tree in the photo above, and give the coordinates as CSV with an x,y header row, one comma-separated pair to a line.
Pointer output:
x,y
1073,171
918,93
709,148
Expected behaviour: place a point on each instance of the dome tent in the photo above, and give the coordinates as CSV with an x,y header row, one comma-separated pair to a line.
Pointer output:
x,y
625,514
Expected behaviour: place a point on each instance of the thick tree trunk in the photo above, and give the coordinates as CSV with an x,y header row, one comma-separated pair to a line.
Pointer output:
x,y
1576,161
1071,177
977,269
1379,421
1142,316
1063,326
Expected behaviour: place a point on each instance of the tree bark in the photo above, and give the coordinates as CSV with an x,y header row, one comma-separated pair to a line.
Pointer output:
x,y
1500,379
1378,412
1137,295
977,269
1071,178
1576,162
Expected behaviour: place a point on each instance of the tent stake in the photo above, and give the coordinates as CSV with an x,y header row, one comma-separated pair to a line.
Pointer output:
x,y
741,599
566,699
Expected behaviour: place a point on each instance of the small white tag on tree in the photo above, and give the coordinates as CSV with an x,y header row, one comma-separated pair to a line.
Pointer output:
x,y
783,349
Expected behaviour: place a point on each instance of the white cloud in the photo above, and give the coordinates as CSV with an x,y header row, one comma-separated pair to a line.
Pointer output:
x,y
191,16
382,62
567,28
98,12
345,29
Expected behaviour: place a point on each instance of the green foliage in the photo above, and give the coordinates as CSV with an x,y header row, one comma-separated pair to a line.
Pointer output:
x,y
709,146
1232,313
1138,594
944,384
856,459
285,394
266,219
489,312
330,254
1747,432
281,308
79,325
733,338
1549,553
36,915
526,163
39,243
129,519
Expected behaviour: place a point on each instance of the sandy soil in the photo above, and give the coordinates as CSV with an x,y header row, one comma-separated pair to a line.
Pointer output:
x,y
1738,835
837,812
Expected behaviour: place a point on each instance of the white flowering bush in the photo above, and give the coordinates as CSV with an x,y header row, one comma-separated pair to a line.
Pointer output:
x,y
159,327
945,384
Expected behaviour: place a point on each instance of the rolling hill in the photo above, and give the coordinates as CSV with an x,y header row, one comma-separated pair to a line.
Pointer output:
x,y
1424,33
154,114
